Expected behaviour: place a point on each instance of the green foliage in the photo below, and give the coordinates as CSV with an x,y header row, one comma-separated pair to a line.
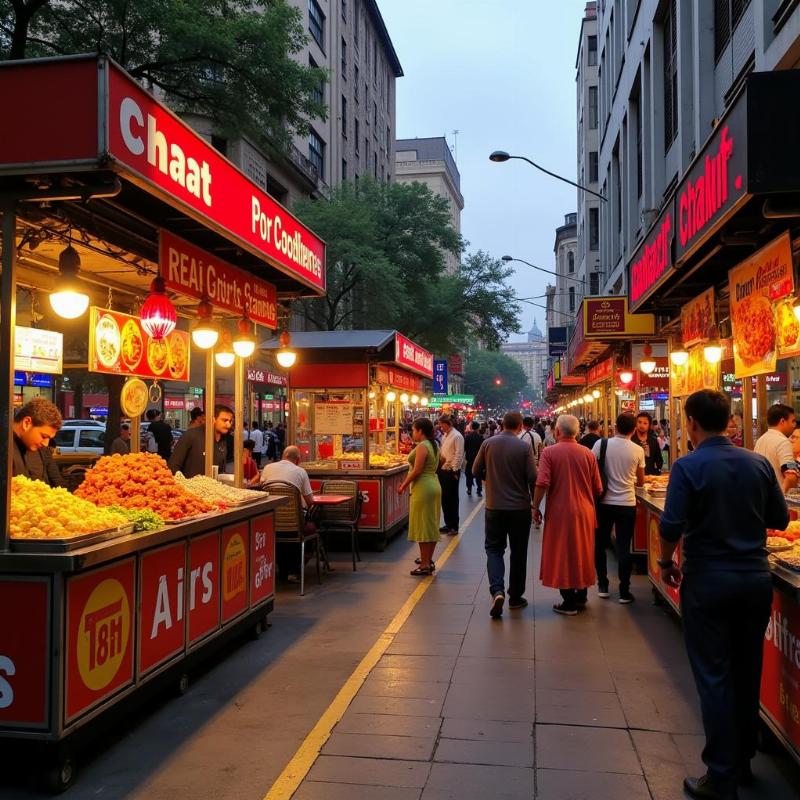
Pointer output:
x,y
228,59
483,368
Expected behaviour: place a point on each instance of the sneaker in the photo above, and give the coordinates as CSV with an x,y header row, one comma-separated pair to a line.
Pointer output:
x,y
602,591
480,493
452,531
444,529
496,610
625,597
517,602
469,492
567,611
704,789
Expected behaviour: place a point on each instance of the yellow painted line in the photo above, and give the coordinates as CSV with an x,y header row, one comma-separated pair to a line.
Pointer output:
x,y
296,770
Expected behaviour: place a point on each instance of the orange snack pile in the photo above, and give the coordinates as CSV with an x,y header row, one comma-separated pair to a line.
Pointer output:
x,y
140,480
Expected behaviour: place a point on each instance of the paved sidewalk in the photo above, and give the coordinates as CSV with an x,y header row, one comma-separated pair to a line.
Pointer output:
x,y
601,706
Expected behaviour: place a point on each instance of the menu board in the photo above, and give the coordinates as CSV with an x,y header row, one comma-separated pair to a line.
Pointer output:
x,y
764,325
694,375
37,350
118,345
333,419
697,318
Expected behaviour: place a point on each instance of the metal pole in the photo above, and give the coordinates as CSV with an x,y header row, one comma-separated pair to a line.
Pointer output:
x,y
210,402
238,432
8,319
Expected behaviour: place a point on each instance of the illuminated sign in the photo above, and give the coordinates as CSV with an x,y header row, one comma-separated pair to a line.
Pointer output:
x,y
652,261
37,350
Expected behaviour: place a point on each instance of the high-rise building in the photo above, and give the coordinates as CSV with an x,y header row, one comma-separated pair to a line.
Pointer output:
x,y
569,284
430,161
531,355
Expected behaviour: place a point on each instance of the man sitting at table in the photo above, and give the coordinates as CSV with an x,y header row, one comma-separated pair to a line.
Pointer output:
x,y
288,470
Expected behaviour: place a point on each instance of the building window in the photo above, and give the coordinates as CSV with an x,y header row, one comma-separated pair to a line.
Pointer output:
x,y
220,144
571,298
594,174
316,23
594,229
355,82
344,170
316,153
727,14
591,51
570,262
592,108
344,59
357,132
318,92
375,165
375,117
639,154
670,75
594,283
375,60
356,25
344,116
366,153
344,10
388,139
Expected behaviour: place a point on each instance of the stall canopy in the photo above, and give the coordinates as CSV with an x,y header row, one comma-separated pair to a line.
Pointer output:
x,y
99,160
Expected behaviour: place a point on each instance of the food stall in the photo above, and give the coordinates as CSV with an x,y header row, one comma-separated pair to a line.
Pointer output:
x,y
139,574
348,394
719,269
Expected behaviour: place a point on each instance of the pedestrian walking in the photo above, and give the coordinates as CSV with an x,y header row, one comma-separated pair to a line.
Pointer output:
x,y
775,447
257,438
528,435
720,501
161,434
452,460
622,464
569,478
271,444
472,443
549,436
646,438
592,435
508,466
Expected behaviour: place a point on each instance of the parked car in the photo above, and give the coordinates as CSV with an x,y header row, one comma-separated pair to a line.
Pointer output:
x,y
81,439
82,423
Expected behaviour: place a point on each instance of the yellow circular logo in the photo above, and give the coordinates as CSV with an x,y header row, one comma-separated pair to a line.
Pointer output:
x,y
234,568
103,634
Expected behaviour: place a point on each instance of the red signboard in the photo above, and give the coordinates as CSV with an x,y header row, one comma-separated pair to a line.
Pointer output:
x,y
235,553
456,364
99,647
161,597
605,315
118,345
262,558
263,376
780,677
398,378
204,586
602,371
24,637
371,510
193,272
169,157
658,379
652,261
412,356
395,505
174,404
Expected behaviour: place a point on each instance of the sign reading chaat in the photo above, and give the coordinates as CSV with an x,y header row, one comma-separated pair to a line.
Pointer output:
x,y
764,324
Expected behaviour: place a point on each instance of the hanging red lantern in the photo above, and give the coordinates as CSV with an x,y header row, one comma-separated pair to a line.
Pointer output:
x,y
158,314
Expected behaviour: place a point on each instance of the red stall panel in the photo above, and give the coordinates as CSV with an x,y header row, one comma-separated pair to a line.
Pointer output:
x,y
204,594
262,558
234,569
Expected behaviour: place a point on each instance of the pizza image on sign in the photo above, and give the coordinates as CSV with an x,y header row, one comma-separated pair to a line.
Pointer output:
x,y
157,355
132,345
177,352
107,340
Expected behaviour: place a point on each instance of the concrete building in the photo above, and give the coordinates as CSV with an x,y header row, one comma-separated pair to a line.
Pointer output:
x,y
531,355
586,66
569,284
668,70
430,161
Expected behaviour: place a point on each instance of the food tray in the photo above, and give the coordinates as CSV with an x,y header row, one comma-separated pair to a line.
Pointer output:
x,y
192,518
67,545
785,564
657,492
245,502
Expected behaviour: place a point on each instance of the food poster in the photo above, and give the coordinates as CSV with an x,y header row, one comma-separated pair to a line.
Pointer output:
x,y
694,375
118,345
697,318
762,318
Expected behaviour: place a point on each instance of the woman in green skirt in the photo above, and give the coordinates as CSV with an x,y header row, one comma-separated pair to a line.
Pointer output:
x,y
426,494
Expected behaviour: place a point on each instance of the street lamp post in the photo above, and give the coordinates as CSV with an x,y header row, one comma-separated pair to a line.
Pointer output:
x,y
542,269
499,156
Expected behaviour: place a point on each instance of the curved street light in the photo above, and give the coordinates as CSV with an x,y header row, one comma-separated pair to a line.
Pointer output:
x,y
539,305
499,156
542,269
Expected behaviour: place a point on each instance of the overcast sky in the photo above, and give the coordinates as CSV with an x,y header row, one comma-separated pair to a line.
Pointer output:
x,y
502,73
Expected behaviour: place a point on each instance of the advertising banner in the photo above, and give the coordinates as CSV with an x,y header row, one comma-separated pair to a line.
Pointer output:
x,y
235,551
161,593
672,594
602,371
452,399
371,509
38,350
398,378
24,645
652,262
193,272
694,375
557,339
99,648
440,376
412,356
762,317
204,577
262,558
605,315
698,318
118,345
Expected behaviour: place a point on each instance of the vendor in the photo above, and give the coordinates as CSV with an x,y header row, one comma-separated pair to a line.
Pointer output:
x,y
646,438
35,424
189,455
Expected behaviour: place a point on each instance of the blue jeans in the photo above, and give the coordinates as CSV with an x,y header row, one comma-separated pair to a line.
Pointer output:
x,y
513,527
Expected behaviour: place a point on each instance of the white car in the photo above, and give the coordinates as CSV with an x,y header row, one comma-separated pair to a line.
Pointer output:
x,y
81,439
82,423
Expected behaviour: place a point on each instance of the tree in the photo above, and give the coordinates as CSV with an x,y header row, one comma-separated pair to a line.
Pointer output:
x,y
228,59
484,368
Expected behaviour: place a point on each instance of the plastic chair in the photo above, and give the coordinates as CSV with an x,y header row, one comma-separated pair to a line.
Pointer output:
x,y
290,525
344,517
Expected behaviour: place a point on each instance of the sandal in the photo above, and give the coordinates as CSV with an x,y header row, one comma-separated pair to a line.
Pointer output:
x,y
421,571
419,561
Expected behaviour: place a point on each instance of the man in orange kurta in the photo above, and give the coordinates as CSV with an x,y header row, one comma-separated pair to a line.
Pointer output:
x,y
569,477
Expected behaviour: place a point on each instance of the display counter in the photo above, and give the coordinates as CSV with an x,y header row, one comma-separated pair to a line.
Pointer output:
x,y
780,681
103,623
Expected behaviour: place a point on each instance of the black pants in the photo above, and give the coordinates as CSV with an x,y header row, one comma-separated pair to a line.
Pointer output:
x,y
257,457
623,518
470,478
449,481
725,616
514,527
574,597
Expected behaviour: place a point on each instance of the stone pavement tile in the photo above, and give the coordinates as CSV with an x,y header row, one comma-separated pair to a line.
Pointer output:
x,y
387,724
416,625
426,645
664,764
576,707
457,594
414,689
431,609
370,771
312,790
511,637
405,707
653,703
466,751
494,671
486,730
570,747
409,748
556,784
476,782
491,701
573,675
415,675
416,662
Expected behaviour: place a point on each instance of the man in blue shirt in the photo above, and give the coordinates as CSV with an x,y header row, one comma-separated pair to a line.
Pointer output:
x,y
721,499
